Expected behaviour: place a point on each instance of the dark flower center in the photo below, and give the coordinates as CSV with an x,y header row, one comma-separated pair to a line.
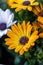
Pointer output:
x,y
41,13
26,3
24,40
3,26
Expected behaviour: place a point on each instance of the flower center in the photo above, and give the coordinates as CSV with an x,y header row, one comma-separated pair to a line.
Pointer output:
x,y
24,40
25,3
41,13
3,26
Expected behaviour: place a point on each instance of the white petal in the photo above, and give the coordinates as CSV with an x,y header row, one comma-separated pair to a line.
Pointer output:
x,y
11,17
6,16
1,15
8,11
11,23
3,32
1,19
1,10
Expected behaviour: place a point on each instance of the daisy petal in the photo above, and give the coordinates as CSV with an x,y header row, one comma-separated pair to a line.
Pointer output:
x,y
3,32
8,11
10,24
10,19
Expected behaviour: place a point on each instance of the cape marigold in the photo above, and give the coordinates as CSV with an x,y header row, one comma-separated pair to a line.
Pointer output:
x,y
22,4
35,25
39,27
21,37
38,10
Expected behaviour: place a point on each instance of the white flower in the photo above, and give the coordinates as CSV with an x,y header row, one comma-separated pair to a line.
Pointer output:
x,y
6,20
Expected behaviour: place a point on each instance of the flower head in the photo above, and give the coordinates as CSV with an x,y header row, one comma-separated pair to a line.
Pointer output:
x,y
38,10
22,4
6,18
21,37
35,25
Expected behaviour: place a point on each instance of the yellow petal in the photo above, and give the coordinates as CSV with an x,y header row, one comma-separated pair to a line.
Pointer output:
x,y
8,41
11,47
24,27
20,1
29,28
41,5
15,5
32,44
15,30
10,33
32,1
40,19
29,8
17,9
26,47
41,25
35,11
35,3
28,23
41,35
20,28
21,52
33,37
16,27
38,8
18,48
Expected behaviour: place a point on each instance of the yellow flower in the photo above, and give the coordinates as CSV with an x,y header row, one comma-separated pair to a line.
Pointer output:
x,y
35,25
22,4
38,10
38,26
21,37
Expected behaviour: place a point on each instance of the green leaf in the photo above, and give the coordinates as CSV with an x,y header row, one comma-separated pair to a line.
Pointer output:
x,y
26,63
17,60
26,54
